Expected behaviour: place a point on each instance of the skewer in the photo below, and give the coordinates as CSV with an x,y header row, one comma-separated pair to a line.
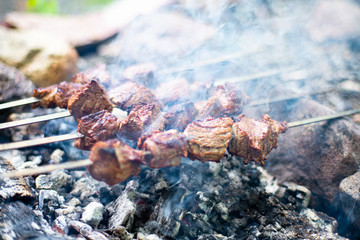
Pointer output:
x,y
87,162
72,136
269,73
64,114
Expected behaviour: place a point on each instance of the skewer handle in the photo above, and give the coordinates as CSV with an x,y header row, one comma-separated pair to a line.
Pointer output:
x,y
323,118
45,169
20,102
39,141
34,120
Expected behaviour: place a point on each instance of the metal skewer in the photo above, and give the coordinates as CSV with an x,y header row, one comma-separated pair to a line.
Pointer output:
x,y
72,136
20,102
67,113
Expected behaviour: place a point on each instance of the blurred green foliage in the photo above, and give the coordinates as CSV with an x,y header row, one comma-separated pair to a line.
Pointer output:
x,y
67,6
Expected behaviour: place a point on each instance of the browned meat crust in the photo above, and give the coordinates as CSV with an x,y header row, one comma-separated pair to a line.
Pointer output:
x,y
180,115
90,98
130,93
208,139
64,92
253,140
114,161
96,127
226,100
139,119
99,72
167,149
47,96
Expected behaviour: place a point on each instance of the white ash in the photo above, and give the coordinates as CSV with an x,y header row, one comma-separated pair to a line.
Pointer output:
x,y
93,214
57,156
57,180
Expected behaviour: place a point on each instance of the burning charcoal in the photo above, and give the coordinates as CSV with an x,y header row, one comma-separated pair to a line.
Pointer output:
x,y
96,127
123,209
173,91
141,73
60,225
99,72
180,115
130,93
208,139
166,148
56,180
87,231
19,221
13,188
93,214
49,199
63,93
91,98
141,117
253,139
114,161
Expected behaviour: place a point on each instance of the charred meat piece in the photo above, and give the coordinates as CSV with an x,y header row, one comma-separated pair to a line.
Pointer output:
x,y
130,93
96,127
226,100
64,92
209,138
141,73
180,115
140,119
173,92
166,148
114,161
99,72
90,98
253,140
47,96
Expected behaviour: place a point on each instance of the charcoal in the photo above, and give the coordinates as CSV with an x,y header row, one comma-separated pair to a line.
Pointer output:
x,y
57,180
87,231
93,214
60,225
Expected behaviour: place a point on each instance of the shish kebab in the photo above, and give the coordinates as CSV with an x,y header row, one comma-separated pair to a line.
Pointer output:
x,y
114,161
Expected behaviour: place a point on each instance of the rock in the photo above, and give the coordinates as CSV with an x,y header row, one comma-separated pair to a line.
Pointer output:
x,y
13,84
93,214
86,231
334,20
81,30
317,156
349,203
56,180
43,58
123,209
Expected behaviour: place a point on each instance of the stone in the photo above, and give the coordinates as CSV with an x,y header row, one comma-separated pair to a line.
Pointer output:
x,y
93,214
334,20
43,58
123,209
317,156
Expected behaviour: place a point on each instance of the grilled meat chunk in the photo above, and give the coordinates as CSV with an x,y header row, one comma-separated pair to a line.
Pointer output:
x,y
253,140
180,115
140,119
209,138
141,73
114,161
90,98
173,92
167,148
130,93
226,100
64,92
96,127
47,96
99,72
